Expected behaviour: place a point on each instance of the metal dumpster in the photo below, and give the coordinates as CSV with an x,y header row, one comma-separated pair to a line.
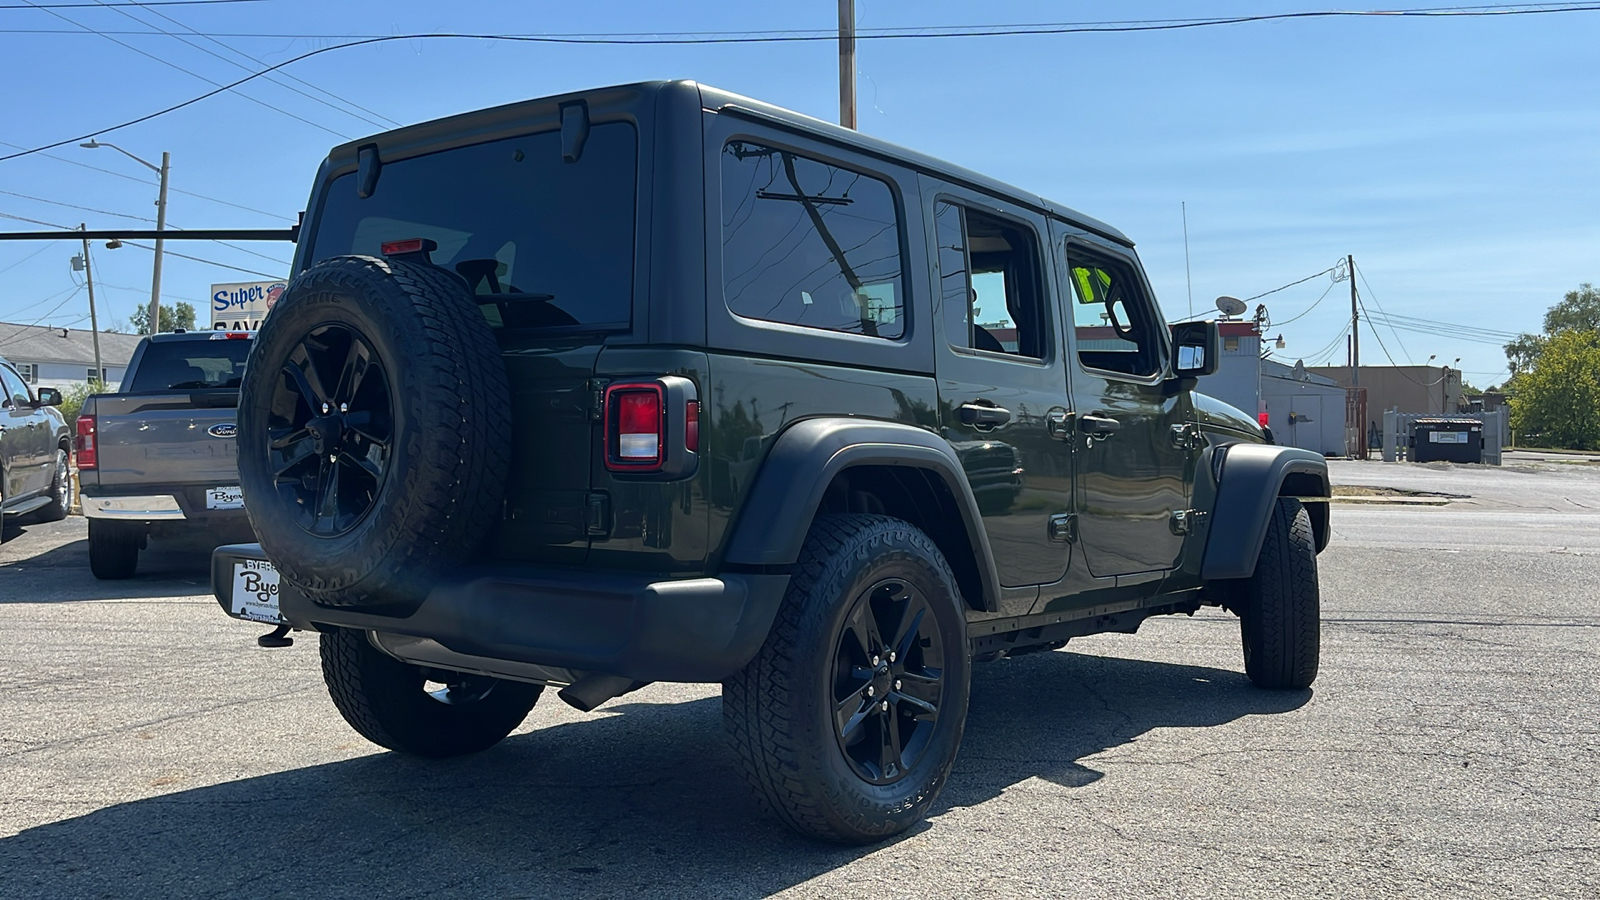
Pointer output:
x,y
1447,440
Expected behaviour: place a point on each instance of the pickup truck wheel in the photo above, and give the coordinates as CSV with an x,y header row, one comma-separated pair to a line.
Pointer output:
x,y
848,720
389,702
114,548
374,431
1280,621
60,491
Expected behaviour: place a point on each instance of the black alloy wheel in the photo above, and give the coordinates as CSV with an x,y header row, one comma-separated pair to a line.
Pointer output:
x,y
330,427
848,719
887,681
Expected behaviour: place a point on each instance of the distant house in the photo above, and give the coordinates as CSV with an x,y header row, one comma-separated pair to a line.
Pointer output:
x,y
62,357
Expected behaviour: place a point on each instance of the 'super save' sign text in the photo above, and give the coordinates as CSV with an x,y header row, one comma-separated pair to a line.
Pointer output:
x,y
241,307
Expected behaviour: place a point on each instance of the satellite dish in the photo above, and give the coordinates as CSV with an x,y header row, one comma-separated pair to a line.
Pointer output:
x,y
1231,306
1300,370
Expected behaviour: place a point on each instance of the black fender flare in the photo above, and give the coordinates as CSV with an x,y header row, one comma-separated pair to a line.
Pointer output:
x,y
776,515
1251,482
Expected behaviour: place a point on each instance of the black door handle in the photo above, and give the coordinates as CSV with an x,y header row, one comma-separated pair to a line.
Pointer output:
x,y
983,415
1097,424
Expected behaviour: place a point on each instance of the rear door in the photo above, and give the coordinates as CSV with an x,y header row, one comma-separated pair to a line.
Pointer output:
x,y
546,244
1002,385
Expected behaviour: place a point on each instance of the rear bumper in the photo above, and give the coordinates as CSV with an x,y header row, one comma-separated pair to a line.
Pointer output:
x,y
694,630
149,508
151,503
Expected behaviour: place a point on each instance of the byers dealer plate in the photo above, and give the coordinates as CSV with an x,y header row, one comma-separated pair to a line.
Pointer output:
x,y
224,498
255,592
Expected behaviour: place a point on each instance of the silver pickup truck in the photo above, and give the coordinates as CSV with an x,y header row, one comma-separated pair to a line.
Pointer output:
x,y
158,458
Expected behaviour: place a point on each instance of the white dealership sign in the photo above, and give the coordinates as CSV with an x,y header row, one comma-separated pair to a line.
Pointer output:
x,y
242,306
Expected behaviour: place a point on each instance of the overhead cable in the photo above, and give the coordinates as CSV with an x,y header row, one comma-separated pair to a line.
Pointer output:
x,y
172,65
920,33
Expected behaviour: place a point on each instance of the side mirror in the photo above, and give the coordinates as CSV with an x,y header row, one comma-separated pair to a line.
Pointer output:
x,y
49,397
1196,348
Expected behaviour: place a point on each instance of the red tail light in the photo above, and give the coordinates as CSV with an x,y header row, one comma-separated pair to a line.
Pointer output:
x,y
691,426
85,444
635,426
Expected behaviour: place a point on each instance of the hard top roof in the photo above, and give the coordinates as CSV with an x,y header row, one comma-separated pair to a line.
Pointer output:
x,y
725,101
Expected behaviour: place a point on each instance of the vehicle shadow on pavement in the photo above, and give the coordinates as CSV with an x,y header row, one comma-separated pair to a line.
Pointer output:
x,y
61,573
642,800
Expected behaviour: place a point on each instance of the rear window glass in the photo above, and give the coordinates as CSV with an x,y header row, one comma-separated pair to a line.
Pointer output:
x,y
808,243
543,243
190,365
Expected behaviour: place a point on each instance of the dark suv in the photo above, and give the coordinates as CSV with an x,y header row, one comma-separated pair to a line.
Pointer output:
x,y
660,383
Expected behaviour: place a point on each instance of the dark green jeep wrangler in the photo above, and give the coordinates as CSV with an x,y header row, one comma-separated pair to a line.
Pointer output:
x,y
660,383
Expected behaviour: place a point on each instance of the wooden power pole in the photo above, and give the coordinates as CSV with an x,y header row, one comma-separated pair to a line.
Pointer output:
x,y
1355,325
94,320
847,63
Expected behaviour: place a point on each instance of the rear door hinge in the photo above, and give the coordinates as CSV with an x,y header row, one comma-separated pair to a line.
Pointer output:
x,y
597,399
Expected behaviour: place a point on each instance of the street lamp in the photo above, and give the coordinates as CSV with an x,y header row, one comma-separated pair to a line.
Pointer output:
x,y
161,223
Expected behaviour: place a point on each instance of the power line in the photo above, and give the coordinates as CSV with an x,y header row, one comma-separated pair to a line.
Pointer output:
x,y
18,336
209,262
1401,344
934,31
147,3
172,65
1324,296
19,262
235,63
1290,285
1381,345
125,176
795,38
104,212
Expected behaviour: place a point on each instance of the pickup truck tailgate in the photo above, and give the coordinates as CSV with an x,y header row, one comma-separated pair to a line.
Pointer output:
x,y
167,439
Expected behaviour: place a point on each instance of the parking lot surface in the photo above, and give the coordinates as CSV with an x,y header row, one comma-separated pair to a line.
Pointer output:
x,y
1450,747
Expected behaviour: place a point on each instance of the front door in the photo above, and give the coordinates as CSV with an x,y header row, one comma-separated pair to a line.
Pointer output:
x,y
1002,381
1136,448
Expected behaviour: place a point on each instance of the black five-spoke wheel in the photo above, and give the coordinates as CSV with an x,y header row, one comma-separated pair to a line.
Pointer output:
x,y
887,677
330,428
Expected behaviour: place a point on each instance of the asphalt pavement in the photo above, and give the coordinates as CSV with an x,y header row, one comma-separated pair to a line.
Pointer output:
x,y
1448,749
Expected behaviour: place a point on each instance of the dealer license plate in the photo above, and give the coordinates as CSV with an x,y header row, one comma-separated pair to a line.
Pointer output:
x,y
255,591
224,498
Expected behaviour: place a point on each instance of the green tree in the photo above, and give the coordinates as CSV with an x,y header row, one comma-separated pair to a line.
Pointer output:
x,y
1557,403
1579,310
72,398
173,317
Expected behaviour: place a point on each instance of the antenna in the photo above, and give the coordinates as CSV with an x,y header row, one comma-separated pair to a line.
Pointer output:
x,y
1189,279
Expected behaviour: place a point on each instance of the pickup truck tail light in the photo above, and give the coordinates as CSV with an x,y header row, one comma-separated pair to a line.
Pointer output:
x,y
84,446
652,428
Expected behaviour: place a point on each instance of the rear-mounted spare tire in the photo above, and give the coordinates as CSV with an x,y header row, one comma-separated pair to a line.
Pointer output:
x,y
374,431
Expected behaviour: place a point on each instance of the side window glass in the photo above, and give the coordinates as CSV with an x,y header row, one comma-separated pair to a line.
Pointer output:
x,y
808,243
16,393
1110,318
991,291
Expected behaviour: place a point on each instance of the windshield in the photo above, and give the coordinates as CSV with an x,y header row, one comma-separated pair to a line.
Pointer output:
x,y
191,365
544,243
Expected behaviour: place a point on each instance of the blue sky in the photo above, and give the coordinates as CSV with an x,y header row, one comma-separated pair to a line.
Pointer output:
x,y
1458,160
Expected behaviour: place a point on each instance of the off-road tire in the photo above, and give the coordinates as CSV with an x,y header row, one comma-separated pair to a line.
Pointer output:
x,y
450,451
384,700
114,548
60,491
777,711
1280,622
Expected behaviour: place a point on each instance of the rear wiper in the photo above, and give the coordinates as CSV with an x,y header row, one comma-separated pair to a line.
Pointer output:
x,y
765,194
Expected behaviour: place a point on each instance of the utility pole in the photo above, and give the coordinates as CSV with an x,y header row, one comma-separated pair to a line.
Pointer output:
x,y
1355,325
847,63
161,225
94,320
